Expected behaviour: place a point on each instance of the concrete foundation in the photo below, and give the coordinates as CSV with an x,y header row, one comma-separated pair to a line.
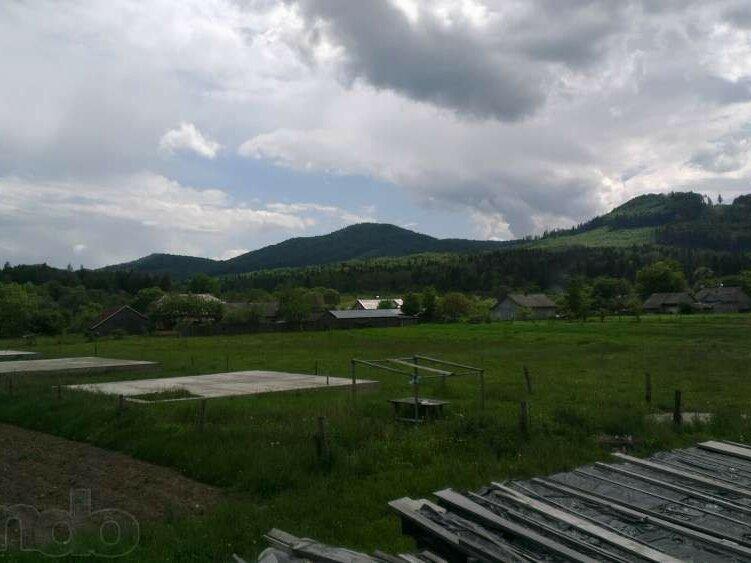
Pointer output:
x,y
72,365
10,355
225,384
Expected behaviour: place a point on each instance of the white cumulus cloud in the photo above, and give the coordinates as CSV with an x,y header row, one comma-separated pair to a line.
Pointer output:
x,y
187,137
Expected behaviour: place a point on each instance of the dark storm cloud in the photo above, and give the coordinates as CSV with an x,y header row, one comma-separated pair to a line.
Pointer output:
x,y
451,66
739,16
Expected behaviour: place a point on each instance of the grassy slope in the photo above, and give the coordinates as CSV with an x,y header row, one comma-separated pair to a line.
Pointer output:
x,y
588,379
600,237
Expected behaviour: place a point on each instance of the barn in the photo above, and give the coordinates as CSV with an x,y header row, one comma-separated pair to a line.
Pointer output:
x,y
671,303
121,319
373,304
366,318
518,306
724,299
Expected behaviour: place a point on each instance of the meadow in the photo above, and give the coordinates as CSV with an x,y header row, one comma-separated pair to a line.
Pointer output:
x,y
587,381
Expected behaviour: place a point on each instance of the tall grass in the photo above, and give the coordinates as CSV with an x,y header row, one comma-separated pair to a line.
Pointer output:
x,y
587,380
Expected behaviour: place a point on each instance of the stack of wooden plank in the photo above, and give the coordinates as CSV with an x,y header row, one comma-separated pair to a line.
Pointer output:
x,y
691,504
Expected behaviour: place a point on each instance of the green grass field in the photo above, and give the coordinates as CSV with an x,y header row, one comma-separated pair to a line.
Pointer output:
x,y
588,379
601,237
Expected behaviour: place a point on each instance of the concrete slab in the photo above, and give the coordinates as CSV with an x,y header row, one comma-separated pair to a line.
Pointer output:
x,y
224,384
10,355
688,417
72,365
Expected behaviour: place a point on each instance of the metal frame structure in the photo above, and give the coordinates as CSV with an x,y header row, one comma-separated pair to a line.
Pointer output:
x,y
411,366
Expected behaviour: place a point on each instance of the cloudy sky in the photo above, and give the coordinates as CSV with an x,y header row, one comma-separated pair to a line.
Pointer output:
x,y
212,127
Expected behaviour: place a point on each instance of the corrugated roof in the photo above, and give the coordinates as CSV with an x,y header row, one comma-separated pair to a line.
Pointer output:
x,y
109,313
532,300
371,304
657,300
723,295
367,314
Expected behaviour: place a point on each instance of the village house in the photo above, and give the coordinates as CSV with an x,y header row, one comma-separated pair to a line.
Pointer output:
x,y
365,318
520,306
671,303
724,299
372,304
123,319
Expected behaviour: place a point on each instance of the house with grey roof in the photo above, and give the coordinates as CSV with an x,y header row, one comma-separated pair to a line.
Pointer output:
x,y
524,306
372,304
670,303
724,299
359,318
124,319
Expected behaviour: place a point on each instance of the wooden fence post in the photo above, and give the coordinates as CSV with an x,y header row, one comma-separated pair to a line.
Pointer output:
x,y
524,418
648,388
416,383
677,409
482,390
201,413
322,446
528,380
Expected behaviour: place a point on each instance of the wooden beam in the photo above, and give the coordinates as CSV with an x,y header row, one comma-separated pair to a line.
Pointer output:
x,y
678,488
708,481
422,368
376,365
590,528
445,363
733,450
716,539
460,503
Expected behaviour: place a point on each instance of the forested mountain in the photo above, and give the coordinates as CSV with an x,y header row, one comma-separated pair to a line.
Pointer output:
x,y
356,242
683,220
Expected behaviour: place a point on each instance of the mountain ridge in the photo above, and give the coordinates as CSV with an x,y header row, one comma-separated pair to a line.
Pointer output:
x,y
684,219
354,242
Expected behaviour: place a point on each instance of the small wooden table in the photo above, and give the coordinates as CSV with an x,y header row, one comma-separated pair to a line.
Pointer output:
x,y
426,408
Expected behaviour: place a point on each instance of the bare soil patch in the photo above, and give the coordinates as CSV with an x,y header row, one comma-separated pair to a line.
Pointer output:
x,y
40,470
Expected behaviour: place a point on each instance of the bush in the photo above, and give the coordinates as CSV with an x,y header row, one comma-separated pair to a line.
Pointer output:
x,y
454,306
412,304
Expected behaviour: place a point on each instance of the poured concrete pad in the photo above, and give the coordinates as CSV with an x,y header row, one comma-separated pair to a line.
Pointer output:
x,y
10,355
688,417
73,365
224,384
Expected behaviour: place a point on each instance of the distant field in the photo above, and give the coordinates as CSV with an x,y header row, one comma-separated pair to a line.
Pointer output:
x,y
600,237
587,380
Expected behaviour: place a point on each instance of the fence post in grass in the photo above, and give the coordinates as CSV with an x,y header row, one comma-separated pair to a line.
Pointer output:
x,y
201,413
416,381
482,390
227,362
120,404
677,412
524,418
322,446
528,380
648,388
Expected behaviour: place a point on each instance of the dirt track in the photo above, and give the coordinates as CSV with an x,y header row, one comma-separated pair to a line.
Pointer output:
x,y
41,470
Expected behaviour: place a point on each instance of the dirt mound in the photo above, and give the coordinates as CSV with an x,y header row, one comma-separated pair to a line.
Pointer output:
x,y
41,470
